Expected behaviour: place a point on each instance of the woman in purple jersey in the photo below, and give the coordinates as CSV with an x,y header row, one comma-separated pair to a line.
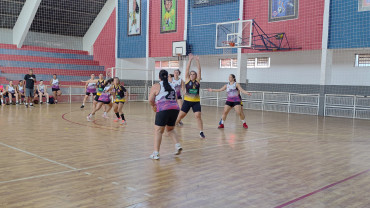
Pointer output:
x,y
163,99
233,100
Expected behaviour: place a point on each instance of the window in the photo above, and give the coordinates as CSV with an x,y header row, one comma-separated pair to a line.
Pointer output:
x,y
362,60
260,62
167,64
228,63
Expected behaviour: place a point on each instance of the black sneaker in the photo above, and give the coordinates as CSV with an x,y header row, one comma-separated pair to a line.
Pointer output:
x,y
202,135
82,106
31,104
26,105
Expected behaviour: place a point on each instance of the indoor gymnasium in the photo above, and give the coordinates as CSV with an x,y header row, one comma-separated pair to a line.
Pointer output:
x,y
184,103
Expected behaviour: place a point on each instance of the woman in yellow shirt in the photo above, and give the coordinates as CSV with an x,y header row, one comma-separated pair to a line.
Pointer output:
x,y
191,97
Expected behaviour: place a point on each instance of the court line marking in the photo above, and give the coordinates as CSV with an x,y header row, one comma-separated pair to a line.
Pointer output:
x,y
37,176
38,156
128,161
321,189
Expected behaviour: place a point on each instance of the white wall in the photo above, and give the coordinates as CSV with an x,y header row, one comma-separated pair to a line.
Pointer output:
x,y
344,71
53,41
6,36
131,68
296,67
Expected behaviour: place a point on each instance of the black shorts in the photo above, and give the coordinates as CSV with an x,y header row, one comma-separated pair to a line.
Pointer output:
x,y
97,98
179,97
7,95
88,93
166,118
232,104
107,103
54,90
193,105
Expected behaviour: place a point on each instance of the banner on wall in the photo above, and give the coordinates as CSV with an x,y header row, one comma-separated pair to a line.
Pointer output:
x,y
364,5
168,16
282,10
134,17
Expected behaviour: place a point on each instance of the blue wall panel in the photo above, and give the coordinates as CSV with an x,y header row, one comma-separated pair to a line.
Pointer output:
x,y
202,25
130,46
349,28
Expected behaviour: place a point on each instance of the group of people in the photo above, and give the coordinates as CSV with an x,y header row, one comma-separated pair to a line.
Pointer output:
x,y
166,100
25,91
104,92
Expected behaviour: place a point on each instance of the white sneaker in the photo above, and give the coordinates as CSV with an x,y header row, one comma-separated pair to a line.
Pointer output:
x,y
178,149
154,156
89,117
105,115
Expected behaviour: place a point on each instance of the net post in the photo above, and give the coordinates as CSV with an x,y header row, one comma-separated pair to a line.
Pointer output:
x,y
70,94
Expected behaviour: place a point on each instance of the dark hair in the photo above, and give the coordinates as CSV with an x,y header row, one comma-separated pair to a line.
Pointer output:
x,y
178,71
41,80
55,74
172,75
20,80
109,81
137,8
31,70
163,75
233,77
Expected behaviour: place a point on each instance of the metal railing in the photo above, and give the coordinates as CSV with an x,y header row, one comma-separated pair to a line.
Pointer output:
x,y
268,101
347,106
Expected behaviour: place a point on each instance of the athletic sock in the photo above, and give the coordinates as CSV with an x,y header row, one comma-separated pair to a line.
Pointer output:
x,y
123,117
222,121
117,114
243,121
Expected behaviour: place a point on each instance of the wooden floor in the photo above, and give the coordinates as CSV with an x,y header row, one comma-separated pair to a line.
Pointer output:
x,y
50,156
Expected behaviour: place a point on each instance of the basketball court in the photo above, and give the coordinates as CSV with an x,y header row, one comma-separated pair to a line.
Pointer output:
x,y
59,159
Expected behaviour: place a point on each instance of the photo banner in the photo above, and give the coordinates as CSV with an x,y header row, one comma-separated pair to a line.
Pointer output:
x,y
168,16
280,10
134,17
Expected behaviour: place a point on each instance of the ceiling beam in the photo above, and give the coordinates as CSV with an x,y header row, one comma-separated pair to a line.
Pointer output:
x,y
24,21
97,26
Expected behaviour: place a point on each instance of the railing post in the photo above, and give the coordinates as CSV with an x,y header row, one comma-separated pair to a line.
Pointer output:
x,y
354,106
70,94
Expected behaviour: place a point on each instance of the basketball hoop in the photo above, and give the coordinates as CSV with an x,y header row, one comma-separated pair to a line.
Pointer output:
x,y
229,43
179,56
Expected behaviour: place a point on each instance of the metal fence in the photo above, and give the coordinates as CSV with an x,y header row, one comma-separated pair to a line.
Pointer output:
x,y
348,106
268,101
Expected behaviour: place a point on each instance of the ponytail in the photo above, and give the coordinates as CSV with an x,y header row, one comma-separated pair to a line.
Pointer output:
x,y
233,77
163,75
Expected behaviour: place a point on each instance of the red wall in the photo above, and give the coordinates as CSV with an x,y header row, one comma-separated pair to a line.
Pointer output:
x,y
304,32
160,45
105,44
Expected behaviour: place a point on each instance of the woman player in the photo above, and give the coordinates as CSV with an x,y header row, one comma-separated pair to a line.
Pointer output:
x,y
233,100
11,93
55,88
90,88
163,100
20,91
1,95
119,91
102,98
41,91
191,97
179,85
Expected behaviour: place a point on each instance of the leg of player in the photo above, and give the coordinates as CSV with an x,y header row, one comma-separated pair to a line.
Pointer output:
x,y
239,111
98,106
116,112
227,109
172,133
198,116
